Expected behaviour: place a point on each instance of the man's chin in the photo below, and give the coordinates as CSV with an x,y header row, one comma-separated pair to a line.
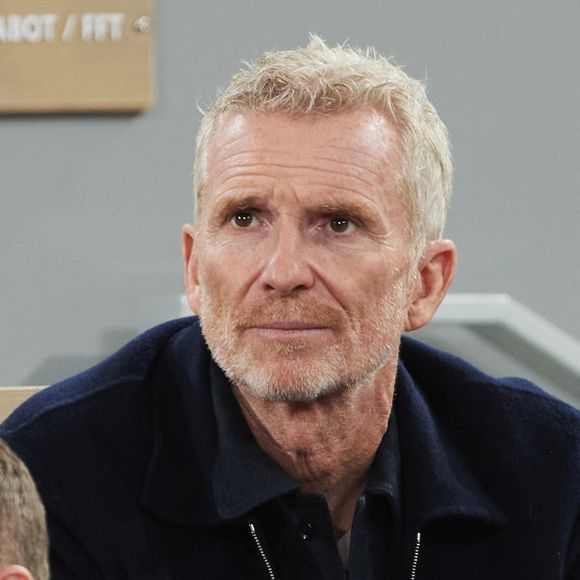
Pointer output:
x,y
293,381
302,392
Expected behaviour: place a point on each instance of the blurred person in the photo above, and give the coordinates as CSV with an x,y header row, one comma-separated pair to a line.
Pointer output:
x,y
289,431
23,535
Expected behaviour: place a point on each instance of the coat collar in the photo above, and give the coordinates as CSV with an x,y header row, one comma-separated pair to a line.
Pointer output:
x,y
440,486
244,476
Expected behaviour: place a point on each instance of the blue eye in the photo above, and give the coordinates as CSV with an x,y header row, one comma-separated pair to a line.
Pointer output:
x,y
243,219
341,225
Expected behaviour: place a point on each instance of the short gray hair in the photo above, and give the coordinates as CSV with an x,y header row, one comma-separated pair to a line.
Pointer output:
x,y
321,80
23,534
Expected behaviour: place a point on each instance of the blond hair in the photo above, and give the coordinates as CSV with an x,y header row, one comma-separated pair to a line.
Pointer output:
x,y
321,80
23,535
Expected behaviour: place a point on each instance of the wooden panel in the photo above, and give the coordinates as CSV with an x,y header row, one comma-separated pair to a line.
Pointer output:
x,y
75,55
11,397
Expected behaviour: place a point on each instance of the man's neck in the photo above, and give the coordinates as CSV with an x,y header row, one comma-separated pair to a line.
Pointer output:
x,y
327,445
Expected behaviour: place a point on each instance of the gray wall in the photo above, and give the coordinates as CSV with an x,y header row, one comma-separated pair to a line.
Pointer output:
x,y
91,205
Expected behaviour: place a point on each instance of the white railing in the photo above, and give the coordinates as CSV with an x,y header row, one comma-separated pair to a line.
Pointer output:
x,y
505,312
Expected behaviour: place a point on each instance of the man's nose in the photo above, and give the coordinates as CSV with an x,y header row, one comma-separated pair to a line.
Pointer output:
x,y
287,266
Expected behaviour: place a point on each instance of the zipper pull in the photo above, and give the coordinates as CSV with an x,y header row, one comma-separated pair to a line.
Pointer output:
x,y
416,556
261,551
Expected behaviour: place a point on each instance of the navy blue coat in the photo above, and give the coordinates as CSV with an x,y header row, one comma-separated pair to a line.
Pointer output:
x,y
128,459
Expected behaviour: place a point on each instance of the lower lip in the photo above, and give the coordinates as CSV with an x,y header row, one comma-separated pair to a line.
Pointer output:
x,y
289,333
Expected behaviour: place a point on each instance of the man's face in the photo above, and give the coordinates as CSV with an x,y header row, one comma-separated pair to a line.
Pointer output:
x,y
301,252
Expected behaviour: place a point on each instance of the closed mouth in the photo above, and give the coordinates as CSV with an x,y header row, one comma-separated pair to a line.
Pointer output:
x,y
289,325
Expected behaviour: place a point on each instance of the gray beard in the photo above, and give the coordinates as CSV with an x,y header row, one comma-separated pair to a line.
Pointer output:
x,y
289,382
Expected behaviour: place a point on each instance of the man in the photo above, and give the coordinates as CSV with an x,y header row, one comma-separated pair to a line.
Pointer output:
x,y
290,433
23,536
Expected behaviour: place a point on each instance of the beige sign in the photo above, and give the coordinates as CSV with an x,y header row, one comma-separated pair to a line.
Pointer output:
x,y
75,55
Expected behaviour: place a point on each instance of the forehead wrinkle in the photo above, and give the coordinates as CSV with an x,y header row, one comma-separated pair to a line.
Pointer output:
x,y
356,164
357,151
357,171
342,195
306,150
353,156
233,156
225,179
336,172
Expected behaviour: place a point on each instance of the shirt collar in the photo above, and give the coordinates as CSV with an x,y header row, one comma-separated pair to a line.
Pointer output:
x,y
244,476
384,481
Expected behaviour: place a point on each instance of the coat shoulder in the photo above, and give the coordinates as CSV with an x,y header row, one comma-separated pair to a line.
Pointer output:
x,y
104,385
447,381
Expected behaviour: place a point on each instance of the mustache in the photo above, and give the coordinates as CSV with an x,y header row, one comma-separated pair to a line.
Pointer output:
x,y
290,310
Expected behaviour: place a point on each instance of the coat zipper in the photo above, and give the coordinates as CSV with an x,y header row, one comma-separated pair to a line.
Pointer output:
x,y
416,556
272,576
261,551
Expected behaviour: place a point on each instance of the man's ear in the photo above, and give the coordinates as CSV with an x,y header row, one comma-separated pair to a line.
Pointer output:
x,y
189,268
435,274
14,572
